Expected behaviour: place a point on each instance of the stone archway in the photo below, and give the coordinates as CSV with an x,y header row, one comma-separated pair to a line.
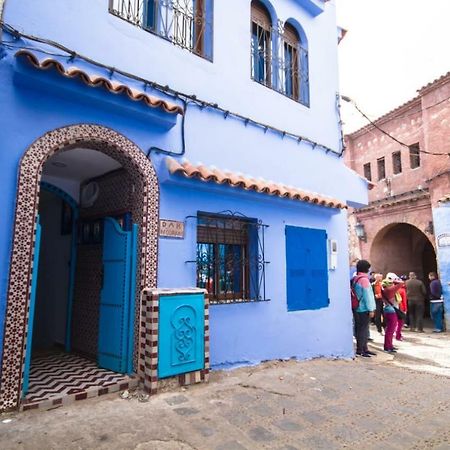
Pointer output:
x,y
402,248
94,137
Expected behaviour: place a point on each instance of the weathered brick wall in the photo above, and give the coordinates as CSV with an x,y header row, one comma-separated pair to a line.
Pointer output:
x,y
407,197
377,220
411,124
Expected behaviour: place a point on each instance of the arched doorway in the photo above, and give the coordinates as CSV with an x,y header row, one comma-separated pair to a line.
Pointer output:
x,y
72,142
403,248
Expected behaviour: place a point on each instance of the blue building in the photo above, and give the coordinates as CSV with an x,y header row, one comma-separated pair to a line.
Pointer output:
x,y
170,144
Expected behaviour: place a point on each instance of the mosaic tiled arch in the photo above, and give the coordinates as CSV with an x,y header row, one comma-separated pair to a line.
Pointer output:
x,y
94,137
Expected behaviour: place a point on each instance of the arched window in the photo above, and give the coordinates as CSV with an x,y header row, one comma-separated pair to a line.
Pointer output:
x,y
294,76
261,43
290,74
186,23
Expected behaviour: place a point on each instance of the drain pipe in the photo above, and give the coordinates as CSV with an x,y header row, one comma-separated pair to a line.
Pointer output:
x,y
183,137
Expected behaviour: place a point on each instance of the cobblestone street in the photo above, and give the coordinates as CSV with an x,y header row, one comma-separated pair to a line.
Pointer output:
x,y
379,403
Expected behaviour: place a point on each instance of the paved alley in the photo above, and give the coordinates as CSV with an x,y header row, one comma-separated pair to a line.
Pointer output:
x,y
380,403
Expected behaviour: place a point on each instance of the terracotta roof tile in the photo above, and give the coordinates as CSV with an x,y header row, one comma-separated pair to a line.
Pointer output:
x,y
210,174
423,90
94,80
434,82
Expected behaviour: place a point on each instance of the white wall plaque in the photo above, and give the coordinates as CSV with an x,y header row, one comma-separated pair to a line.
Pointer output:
x,y
171,228
443,240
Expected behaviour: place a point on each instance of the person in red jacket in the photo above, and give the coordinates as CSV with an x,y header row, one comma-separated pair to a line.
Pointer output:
x,y
403,305
391,284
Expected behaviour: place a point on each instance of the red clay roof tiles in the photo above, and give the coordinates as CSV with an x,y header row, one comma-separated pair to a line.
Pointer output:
x,y
93,80
209,174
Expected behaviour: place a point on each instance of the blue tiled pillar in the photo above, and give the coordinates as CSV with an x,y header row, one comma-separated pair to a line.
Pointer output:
x,y
441,218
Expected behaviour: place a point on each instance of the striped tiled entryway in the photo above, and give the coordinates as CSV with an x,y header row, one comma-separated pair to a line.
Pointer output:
x,y
59,378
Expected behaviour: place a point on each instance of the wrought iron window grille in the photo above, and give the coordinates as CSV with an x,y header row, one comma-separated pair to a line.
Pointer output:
x,y
279,62
186,23
230,259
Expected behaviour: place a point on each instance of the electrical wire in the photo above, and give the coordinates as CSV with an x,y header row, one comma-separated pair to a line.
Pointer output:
x,y
349,100
167,90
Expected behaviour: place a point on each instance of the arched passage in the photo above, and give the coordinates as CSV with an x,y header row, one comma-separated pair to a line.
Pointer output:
x,y
139,168
402,248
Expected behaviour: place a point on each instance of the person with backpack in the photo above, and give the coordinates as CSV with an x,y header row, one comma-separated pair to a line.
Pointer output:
x,y
390,287
363,305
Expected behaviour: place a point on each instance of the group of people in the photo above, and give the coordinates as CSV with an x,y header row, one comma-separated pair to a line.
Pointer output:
x,y
391,302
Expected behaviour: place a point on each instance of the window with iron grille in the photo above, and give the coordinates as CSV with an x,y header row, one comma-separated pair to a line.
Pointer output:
x,y
293,63
414,156
261,44
230,258
185,23
368,171
381,168
397,162
279,55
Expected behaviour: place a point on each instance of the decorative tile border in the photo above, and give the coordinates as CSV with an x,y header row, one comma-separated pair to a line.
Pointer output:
x,y
88,393
148,343
90,136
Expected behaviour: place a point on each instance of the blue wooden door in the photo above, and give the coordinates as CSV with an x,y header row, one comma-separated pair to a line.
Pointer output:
x,y
306,268
116,298
28,351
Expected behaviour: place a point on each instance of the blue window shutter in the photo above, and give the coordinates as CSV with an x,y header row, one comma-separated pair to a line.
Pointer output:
x,y
150,15
306,268
304,76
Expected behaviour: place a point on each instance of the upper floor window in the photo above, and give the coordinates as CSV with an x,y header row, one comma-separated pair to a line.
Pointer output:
x,y
381,169
279,55
367,171
414,156
261,44
185,23
397,162
294,66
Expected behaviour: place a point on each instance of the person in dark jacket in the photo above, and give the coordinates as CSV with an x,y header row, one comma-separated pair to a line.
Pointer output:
x,y
416,293
436,303
379,319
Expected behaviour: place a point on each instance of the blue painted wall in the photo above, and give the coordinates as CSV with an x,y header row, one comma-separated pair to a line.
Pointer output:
x,y
239,333
441,223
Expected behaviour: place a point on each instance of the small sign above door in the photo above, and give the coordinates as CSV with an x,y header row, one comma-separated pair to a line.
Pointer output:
x,y
171,228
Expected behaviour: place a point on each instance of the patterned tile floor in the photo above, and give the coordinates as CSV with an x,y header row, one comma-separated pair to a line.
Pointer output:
x,y
58,374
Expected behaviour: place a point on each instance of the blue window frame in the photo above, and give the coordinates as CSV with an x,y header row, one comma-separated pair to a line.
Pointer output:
x,y
261,51
186,23
279,54
230,258
306,268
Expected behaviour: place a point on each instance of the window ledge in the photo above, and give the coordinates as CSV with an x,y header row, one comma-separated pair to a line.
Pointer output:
x,y
237,300
273,89
313,7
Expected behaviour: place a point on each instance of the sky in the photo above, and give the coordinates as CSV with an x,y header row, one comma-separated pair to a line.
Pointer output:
x,y
392,49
